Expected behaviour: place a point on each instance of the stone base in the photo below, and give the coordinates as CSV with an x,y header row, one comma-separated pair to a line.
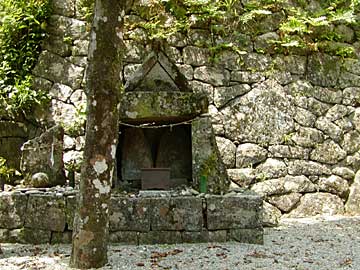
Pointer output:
x,y
136,220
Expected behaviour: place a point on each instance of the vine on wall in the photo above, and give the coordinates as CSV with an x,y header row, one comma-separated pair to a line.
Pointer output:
x,y
300,24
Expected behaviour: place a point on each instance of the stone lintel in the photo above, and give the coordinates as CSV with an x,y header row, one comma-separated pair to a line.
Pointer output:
x,y
161,106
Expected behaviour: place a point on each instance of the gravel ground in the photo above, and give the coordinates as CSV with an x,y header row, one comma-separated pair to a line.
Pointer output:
x,y
311,243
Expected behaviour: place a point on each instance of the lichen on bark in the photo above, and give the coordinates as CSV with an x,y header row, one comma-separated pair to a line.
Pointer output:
x,y
103,87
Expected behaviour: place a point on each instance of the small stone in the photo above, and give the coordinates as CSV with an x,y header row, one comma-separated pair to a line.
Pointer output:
x,y
307,137
344,172
329,152
319,203
285,202
40,179
271,215
227,151
249,154
305,167
271,168
212,76
195,56
243,177
334,184
284,185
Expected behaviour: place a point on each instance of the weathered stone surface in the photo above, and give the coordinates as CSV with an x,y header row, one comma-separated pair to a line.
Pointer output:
x,y
353,161
60,7
44,154
348,79
157,73
176,214
204,236
304,117
334,184
129,214
136,154
344,172
46,213
80,48
206,158
352,65
295,64
284,185
60,91
313,204
345,124
223,95
174,152
195,56
61,238
130,238
304,88
249,154
71,204
227,151
55,68
177,39
57,45
329,128
243,177
250,236
352,96
271,168
134,51
149,106
65,114
256,62
323,70
351,142
287,151
40,179
214,76
307,137
352,205
317,107
337,112
186,70
236,212
271,215
356,119
29,236
159,237
203,89
265,41
247,76
13,209
285,202
10,150
129,70
228,59
199,37
263,115
329,152
66,27
304,167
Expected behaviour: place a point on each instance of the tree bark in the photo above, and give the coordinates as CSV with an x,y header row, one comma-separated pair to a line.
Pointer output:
x,y
103,84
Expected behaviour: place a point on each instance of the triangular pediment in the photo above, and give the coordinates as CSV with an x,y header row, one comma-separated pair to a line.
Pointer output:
x,y
157,73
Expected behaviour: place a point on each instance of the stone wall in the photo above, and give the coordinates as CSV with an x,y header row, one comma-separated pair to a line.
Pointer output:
x,y
287,126
46,216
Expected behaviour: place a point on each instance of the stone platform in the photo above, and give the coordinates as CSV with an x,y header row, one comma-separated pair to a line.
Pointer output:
x,y
45,216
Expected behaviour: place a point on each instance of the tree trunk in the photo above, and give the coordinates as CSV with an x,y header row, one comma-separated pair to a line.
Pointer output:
x,y
103,84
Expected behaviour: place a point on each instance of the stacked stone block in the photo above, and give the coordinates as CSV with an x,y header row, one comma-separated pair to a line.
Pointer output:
x,y
46,216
